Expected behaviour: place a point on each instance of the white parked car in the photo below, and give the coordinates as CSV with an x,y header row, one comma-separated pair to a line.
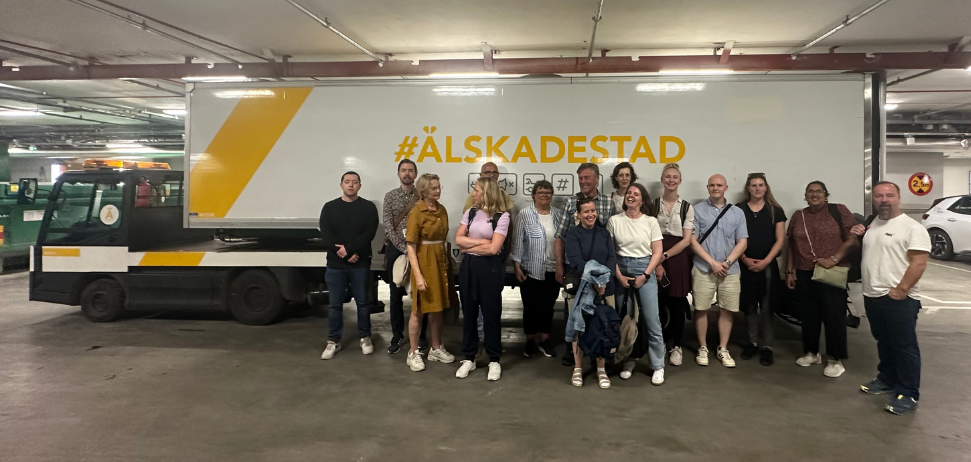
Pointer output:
x,y
949,224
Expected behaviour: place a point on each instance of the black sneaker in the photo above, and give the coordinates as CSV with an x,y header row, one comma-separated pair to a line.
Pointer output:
x,y
765,356
876,387
394,346
567,358
901,405
546,347
530,349
423,344
749,351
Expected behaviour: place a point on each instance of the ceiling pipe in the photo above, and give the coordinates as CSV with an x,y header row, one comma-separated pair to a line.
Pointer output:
x,y
846,22
63,116
912,77
324,22
36,56
960,106
154,87
155,31
89,110
193,34
593,36
45,50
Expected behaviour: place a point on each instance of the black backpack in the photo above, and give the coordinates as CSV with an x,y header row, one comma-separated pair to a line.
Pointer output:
x,y
602,336
507,242
684,208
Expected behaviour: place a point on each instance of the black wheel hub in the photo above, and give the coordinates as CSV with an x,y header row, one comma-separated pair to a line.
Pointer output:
x,y
256,298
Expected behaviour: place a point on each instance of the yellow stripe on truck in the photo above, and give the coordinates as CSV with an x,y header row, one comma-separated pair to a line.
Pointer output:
x,y
61,252
171,259
238,149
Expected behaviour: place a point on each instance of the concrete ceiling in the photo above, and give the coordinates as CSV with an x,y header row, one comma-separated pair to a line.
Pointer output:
x,y
427,29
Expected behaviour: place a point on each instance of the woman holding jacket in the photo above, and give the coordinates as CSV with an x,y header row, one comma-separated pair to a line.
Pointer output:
x,y
534,262
637,237
588,242
819,235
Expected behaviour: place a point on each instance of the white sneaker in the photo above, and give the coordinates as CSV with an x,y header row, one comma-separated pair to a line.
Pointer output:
x,y
676,356
415,362
834,368
628,369
725,357
702,358
366,346
441,355
330,350
658,377
466,367
809,359
495,371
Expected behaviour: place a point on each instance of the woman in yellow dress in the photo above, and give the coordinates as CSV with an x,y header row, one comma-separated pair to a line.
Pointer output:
x,y
425,234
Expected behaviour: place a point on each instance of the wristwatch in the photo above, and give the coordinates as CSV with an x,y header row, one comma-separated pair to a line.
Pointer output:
x,y
665,254
790,272
835,260
728,262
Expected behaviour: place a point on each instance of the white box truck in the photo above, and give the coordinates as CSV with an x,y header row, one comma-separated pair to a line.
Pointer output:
x,y
262,159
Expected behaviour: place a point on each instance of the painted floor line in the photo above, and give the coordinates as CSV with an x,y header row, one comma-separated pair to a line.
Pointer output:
x,y
942,301
948,267
935,308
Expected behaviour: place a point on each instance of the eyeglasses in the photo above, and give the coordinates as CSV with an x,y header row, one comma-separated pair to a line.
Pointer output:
x,y
815,191
543,193
489,172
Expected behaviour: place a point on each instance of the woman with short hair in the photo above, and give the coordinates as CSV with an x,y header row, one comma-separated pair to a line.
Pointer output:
x,y
766,223
621,179
482,274
589,241
535,263
677,220
819,235
425,235
637,239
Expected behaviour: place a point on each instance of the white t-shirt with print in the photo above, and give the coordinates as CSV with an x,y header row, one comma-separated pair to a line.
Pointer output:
x,y
633,237
885,247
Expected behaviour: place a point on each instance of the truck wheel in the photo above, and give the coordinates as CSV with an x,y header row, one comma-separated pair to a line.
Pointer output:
x,y
103,300
941,247
255,298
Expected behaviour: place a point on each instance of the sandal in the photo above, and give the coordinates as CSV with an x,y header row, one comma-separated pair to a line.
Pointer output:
x,y
577,377
604,381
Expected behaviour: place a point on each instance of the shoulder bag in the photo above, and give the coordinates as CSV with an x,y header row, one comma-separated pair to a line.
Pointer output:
x,y
713,225
835,276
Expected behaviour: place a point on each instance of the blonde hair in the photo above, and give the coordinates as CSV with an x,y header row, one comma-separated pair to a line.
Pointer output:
x,y
492,201
670,166
424,183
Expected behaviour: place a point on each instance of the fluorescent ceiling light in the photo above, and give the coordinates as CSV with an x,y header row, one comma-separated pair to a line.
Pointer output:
x,y
20,113
470,75
464,91
236,94
696,72
226,78
664,87
124,146
175,112
889,106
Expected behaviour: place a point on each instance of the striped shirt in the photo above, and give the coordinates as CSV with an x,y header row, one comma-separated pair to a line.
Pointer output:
x,y
529,242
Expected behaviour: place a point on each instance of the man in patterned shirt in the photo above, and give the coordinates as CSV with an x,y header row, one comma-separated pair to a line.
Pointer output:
x,y
588,176
397,203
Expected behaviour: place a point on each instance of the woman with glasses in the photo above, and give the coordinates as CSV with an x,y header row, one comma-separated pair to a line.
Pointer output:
x,y
819,235
677,220
622,177
766,222
535,264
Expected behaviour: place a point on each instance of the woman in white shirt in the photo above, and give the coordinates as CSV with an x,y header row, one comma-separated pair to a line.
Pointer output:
x,y
621,179
637,238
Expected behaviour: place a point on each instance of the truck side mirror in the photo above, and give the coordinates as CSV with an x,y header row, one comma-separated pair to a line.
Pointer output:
x,y
27,191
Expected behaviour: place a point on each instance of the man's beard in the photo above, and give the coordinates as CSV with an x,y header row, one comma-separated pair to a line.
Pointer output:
x,y
884,212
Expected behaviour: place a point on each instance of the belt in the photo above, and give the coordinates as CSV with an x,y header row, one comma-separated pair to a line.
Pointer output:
x,y
432,242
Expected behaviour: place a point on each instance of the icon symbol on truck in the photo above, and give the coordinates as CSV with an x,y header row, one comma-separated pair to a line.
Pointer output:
x,y
529,179
563,183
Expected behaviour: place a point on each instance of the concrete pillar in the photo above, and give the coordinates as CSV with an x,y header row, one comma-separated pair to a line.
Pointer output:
x,y
4,162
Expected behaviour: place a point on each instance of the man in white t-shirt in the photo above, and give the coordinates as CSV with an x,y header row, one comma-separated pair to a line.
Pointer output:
x,y
895,250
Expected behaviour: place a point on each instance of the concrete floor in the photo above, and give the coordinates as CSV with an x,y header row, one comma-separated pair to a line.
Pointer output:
x,y
177,387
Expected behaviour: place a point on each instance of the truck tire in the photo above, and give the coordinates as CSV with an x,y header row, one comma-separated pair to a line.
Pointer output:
x,y
255,298
103,300
941,246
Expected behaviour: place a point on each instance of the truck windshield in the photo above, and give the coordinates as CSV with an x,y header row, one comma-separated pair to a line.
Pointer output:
x,y
84,209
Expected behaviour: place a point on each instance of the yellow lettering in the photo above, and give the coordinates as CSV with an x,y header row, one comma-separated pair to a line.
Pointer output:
x,y
596,147
448,152
524,149
471,148
642,149
620,145
543,153
664,151
572,141
494,148
429,149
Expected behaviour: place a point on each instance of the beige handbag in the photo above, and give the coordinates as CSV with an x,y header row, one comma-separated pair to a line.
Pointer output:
x,y
835,276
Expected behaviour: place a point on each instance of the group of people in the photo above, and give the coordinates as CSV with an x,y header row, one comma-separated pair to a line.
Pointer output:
x,y
628,250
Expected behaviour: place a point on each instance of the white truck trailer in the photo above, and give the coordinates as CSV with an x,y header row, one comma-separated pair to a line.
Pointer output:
x,y
262,159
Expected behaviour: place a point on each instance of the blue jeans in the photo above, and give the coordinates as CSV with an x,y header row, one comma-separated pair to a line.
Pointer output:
x,y
647,295
337,279
894,326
